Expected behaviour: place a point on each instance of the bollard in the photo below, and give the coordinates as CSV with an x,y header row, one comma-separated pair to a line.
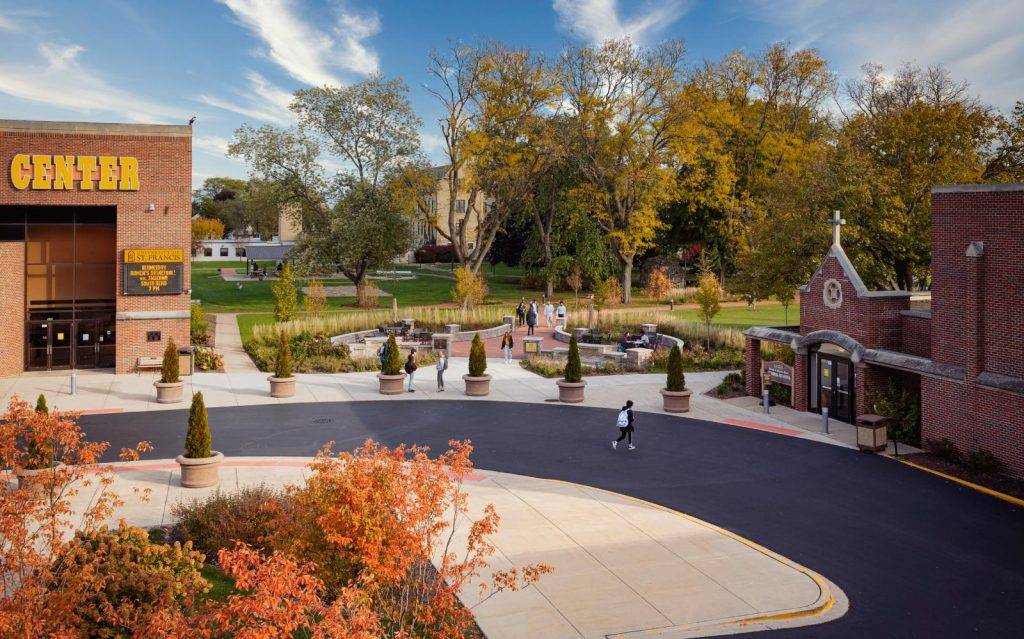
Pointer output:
x,y
765,401
74,382
824,421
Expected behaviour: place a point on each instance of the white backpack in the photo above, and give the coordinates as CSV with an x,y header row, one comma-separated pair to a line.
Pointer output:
x,y
623,420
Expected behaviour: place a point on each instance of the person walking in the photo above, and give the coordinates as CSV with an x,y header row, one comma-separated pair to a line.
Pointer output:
x,y
521,312
442,366
549,313
531,318
382,353
410,368
506,346
625,424
560,314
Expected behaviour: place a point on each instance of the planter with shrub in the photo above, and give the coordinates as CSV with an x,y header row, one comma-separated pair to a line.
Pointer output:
x,y
282,382
391,375
40,457
169,389
675,396
570,387
200,466
478,382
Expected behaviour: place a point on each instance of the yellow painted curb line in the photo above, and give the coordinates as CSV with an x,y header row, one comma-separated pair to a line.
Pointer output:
x,y
1010,499
824,603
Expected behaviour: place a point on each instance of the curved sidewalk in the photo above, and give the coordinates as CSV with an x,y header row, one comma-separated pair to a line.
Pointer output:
x,y
622,567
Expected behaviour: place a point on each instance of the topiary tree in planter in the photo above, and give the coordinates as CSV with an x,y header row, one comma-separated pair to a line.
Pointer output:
x,y
477,357
478,382
169,372
200,465
198,439
570,387
391,374
573,369
675,397
40,455
282,382
393,361
169,388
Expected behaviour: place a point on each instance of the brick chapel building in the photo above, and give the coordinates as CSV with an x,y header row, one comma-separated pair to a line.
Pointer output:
x,y
965,353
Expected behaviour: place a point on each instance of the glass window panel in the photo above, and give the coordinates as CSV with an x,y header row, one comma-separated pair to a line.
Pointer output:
x,y
95,282
49,243
48,282
95,244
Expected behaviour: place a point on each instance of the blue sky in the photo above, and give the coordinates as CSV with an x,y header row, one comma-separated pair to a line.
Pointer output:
x,y
237,61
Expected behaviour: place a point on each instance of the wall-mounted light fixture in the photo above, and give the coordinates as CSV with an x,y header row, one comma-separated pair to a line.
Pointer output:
x,y
151,207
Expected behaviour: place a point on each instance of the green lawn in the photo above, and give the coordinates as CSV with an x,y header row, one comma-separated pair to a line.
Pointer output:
x,y
764,314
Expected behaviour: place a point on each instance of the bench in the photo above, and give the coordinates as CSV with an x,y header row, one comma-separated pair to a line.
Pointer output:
x,y
393,274
148,363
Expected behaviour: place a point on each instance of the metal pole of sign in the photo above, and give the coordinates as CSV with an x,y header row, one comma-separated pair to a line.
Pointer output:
x,y
74,382
765,401
824,420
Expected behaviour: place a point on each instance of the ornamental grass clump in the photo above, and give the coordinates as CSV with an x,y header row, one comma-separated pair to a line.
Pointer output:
x,y
198,439
283,366
393,360
676,382
477,357
573,369
169,373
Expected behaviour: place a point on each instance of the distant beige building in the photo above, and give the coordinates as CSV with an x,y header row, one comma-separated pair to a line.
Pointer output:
x,y
425,233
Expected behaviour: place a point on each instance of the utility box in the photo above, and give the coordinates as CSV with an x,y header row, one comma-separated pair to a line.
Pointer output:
x,y
873,432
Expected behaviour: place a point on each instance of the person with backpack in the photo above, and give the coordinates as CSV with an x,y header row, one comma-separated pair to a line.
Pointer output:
x,y
410,368
506,346
382,353
442,366
521,312
531,318
625,424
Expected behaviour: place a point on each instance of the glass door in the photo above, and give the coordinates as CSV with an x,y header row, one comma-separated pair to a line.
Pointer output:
x,y
835,386
38,346
106,344
86,344
61,344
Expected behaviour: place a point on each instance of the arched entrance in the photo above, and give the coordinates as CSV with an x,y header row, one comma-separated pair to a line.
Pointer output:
x,y
832,381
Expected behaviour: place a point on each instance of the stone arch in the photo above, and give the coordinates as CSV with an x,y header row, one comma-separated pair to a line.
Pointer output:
x,y
842,340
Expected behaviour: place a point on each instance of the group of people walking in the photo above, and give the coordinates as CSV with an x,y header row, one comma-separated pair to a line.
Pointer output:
x,y
527,314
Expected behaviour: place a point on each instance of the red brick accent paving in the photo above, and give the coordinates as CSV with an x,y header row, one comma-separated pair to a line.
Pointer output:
x,y
493,346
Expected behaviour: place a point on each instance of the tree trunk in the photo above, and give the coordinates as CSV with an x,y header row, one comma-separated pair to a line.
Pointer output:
x,y
627,278
904,278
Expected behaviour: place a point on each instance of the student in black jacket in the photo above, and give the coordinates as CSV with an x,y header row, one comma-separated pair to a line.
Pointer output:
x,y
625,424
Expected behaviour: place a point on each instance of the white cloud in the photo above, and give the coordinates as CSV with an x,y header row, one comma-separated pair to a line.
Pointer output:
x,y
60,79
600,20
6,24
212,144
306,52
264,101
977,40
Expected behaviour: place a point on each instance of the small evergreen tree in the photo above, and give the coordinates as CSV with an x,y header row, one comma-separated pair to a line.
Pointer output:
x,y
283,366
285,296
198,440
477,357
40,455
573,368
676,382
393,360
169,373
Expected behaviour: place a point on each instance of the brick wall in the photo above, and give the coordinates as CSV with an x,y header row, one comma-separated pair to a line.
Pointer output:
x,y
164,155
752,367
12,311
875,322
916,332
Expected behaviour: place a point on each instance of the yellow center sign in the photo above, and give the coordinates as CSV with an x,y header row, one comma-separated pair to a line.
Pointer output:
x,y
150,256
40,172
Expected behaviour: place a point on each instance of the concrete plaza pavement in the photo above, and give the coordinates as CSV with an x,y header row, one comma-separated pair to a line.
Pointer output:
x,y
621,567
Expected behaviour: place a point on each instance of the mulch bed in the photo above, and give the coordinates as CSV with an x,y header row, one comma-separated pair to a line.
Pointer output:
x,y
713,392
1002,483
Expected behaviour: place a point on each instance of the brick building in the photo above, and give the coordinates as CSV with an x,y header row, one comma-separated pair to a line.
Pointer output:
x,y
94,240
965,353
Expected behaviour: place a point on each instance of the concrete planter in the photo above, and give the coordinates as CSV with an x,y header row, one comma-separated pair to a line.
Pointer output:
x,y
200,472
570,392
169,393
282,386
391,384
27,478
477,386
676,401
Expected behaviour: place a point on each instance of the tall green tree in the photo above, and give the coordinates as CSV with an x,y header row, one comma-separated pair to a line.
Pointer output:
x,y
621,98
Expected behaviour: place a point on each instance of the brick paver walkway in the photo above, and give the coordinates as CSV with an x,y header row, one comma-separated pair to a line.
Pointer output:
x,y
493,346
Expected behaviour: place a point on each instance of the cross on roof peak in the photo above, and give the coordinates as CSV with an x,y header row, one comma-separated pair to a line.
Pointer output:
x,y
837,221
